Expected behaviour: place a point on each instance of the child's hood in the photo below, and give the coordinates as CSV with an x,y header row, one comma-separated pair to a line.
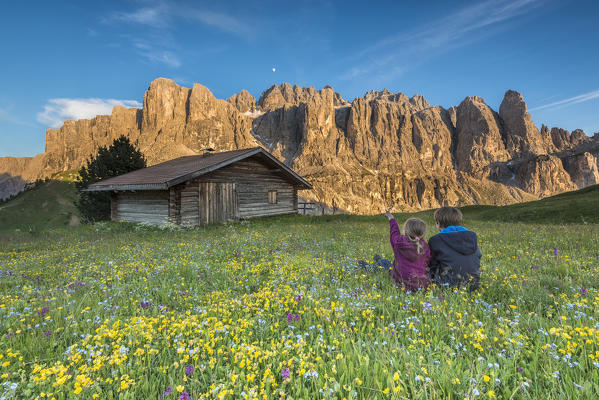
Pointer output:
x,y
464,242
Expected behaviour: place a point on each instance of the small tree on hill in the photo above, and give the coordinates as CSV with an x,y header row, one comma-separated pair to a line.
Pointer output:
x,y
121,157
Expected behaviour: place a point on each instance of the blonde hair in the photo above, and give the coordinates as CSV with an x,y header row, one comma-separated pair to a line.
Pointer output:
x,y
415,229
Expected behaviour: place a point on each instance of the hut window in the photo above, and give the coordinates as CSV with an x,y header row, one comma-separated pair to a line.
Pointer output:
x,y
272,197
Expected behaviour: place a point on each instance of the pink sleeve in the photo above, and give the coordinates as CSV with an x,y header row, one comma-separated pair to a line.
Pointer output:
x,y
397,239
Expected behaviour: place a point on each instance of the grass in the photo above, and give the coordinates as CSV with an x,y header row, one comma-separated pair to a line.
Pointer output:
x,y
47,206
277,308
578,207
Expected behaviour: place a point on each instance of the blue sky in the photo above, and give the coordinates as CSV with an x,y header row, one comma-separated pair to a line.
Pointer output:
x,y
73,59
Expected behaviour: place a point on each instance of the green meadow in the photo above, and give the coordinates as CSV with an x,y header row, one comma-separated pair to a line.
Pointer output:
x,y
277,308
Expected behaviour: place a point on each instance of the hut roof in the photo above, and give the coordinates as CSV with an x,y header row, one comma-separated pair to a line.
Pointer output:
x,y
164,175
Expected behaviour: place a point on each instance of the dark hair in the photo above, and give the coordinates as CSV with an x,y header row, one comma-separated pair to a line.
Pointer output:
x,y
448,216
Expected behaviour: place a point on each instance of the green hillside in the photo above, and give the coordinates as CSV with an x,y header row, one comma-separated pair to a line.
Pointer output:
x,y
52,205
580,206
49,205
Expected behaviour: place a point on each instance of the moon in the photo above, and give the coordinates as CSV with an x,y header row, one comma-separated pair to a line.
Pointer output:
x,y
274,69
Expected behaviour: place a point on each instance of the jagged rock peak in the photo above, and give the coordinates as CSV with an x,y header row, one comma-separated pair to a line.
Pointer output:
x,y
164,101
243,101
417,101
577,137
523,138
513,101
479,136
473,99
338,101
287,95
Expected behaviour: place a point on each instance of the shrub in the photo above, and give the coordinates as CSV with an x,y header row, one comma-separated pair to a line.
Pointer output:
x,y
121,157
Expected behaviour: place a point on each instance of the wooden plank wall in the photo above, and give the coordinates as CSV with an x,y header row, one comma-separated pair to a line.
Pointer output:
x,y
253,179
174,205
189,203
143,206
218,202
114,214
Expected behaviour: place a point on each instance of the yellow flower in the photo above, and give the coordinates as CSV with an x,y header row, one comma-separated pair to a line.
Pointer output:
x,y
180,388
491,394
77,390
124,385
395,377
486,378
386,390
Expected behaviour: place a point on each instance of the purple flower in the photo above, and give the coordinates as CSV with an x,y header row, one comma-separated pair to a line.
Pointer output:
x,y
184,396
299,298
520,369
285,373
144,304
554,251
10,335
48,333
168,390
289,317
584,290
297,317
43,311
189,369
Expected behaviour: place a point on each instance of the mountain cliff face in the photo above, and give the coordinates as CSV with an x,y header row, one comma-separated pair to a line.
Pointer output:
x,y
381,150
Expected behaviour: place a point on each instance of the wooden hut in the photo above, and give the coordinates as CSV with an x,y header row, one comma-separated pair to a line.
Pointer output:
x,y
205,189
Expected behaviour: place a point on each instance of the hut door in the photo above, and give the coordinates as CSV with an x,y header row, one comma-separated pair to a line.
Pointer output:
x,y
217,202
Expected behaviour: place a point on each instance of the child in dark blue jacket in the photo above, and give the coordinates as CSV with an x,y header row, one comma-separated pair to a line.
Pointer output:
x,y
455,255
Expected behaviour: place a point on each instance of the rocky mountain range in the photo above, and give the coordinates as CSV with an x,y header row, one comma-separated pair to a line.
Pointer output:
x,y
381,150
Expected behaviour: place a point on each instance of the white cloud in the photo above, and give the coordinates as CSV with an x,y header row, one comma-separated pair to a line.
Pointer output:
x,y
156,54
392,55
56,111
157,45
581,98
152,16
221,21
163,14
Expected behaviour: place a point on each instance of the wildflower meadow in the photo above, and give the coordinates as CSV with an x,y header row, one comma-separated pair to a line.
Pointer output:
x,y
278,308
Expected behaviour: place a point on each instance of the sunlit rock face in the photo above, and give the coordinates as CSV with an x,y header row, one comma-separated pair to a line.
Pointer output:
x,y
381,150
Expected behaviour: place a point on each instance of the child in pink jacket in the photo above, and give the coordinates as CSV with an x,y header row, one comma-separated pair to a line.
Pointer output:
x,y
412,254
